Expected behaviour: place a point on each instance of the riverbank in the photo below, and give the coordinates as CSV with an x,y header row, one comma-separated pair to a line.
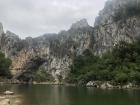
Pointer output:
x,y
112,85
95,84
10,99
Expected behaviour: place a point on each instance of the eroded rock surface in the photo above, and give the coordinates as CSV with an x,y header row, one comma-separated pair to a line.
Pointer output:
x,y
53,52
119,20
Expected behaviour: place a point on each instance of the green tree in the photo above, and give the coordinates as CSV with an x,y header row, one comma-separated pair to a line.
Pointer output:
x,y
4,66
121,78
120,65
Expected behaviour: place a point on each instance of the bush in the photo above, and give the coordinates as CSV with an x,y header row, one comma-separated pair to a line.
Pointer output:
x,y
120,65
42,76
4,66
121,78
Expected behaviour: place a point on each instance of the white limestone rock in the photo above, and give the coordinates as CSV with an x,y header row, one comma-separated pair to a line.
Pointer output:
x,y
8,93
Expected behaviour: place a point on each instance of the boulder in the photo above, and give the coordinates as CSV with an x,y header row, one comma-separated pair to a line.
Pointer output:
x,y
8,93
92,84
127,86
106,85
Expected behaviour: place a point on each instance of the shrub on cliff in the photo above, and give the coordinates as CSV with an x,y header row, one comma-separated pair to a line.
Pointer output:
x,y
42,76
4,66
120,65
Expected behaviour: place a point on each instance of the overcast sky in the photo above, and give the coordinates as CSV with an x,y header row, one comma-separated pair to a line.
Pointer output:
x,y
36,17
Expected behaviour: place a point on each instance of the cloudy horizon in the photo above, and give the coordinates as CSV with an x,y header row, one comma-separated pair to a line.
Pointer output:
x,y
33,18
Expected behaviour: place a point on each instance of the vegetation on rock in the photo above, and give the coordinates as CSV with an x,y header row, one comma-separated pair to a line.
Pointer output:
x,y
42,76
4,66
121,65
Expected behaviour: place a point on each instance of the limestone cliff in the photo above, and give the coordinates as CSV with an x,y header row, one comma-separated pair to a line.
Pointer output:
x,y
119,20
53,52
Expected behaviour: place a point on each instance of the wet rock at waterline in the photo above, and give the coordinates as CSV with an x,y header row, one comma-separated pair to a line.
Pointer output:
x,y
8,93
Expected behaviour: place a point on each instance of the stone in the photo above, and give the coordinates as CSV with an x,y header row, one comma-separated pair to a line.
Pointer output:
x,y
5,102
103,86
92,84
106,85
127,86
109,85
8,93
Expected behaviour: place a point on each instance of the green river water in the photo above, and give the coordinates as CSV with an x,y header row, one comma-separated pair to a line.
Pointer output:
x,y
69,95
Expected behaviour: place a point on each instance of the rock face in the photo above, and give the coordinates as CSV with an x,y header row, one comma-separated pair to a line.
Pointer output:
x,y
1,29
80,24
119,20
1,34
52,52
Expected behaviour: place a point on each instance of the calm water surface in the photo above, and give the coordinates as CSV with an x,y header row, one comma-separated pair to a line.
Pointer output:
x,y
67,95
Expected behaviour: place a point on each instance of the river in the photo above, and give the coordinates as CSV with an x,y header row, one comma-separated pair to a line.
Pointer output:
x,y
69,95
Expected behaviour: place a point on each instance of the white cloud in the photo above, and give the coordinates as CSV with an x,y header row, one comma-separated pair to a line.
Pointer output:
x,y
36,17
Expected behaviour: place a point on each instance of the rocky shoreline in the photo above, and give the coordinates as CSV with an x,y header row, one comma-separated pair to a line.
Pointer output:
x,y
95,84
10,99
111,85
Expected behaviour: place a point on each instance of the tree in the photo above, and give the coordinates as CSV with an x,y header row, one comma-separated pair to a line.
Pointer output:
x,y
120,65
121,78
4,66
